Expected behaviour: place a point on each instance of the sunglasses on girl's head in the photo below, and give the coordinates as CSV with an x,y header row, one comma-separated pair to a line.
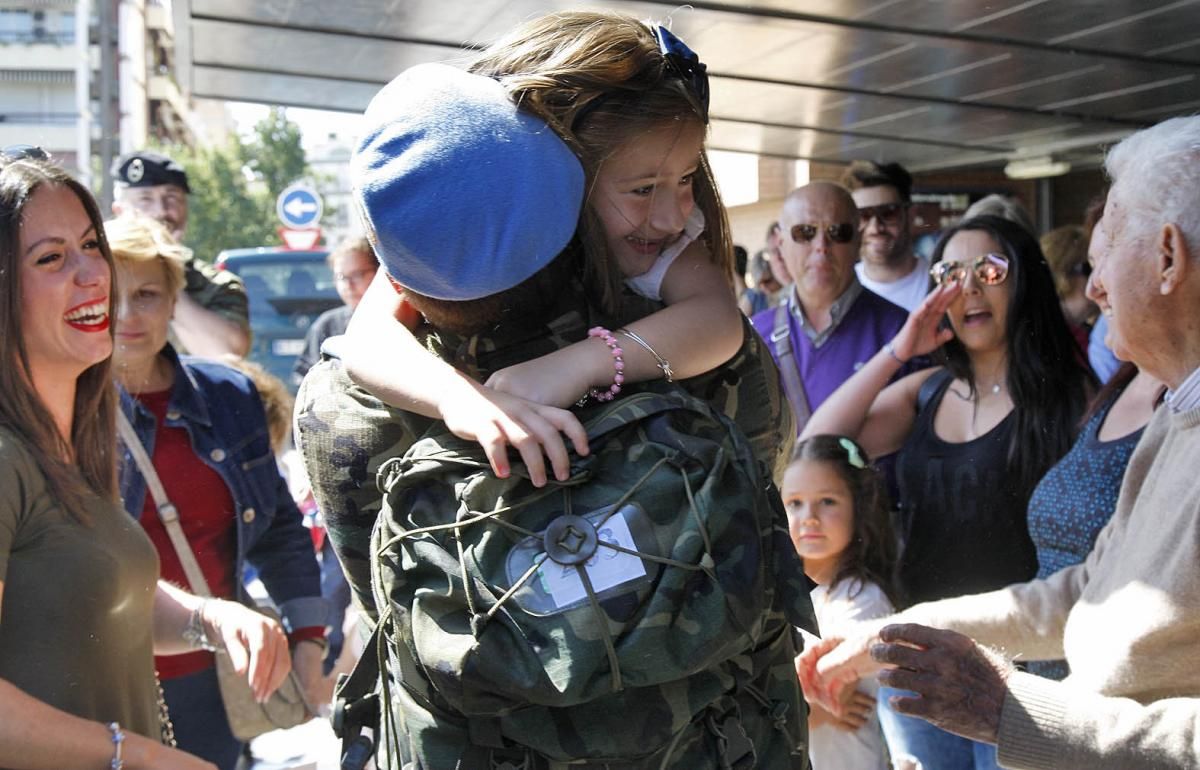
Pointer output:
x,y
989,270
685,65
886,213
843,233
24,152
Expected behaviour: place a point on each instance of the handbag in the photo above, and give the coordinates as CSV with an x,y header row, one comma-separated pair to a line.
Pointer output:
x,y
247,717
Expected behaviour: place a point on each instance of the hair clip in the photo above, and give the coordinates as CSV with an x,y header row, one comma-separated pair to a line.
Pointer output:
x,y
853,453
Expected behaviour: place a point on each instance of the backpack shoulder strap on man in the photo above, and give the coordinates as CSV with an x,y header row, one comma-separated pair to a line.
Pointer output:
x,y
793,386
356,706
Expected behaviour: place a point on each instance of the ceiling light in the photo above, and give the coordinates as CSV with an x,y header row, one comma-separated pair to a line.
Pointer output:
x,y
1036,168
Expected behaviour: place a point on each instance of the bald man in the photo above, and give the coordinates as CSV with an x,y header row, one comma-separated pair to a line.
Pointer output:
x,y
829,325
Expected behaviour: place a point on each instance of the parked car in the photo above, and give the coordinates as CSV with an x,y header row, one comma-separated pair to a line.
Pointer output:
x,y
287,290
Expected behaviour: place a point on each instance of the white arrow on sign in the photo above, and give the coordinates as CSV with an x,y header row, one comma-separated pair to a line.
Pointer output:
x,y
297,208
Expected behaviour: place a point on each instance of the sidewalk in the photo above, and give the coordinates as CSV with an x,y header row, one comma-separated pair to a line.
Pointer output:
x,y
310,746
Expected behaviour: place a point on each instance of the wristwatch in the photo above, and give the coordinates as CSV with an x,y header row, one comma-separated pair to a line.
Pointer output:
x,y
195,633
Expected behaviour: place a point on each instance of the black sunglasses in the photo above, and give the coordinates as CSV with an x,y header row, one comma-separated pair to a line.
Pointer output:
x,y
686,65
805,233
886,213
24,152
989,269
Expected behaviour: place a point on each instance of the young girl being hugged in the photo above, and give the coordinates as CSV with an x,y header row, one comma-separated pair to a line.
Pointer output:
x,y
838,517
632,101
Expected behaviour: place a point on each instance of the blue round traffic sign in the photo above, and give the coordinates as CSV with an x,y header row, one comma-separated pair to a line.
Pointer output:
x,y
299,207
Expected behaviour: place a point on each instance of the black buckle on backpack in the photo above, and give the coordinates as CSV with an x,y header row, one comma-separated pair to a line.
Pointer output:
x,y
510,759
350,715
735,750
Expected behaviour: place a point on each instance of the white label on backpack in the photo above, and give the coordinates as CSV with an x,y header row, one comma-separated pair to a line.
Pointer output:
x,y
606,569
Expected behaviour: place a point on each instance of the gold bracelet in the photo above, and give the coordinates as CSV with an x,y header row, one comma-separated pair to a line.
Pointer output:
x,y
660,362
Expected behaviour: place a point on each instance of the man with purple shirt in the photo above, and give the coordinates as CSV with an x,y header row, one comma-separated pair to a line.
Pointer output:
x,y
829,325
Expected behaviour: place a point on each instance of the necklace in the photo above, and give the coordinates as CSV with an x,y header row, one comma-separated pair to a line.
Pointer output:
x,y
995,391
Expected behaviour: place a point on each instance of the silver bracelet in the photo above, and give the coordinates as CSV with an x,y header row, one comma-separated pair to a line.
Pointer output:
x,y
890,349
118,740
195,633
659,361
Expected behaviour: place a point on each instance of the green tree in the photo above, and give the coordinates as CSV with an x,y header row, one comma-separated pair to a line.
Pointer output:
x,y
274,154
234,185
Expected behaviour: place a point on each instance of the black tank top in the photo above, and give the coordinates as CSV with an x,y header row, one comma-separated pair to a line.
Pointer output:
x,y
962,515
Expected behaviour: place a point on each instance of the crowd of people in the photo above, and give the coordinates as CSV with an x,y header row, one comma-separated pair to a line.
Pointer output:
x,y
950,525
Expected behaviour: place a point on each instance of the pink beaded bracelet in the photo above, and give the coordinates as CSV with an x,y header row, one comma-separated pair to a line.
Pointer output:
x,y
608,339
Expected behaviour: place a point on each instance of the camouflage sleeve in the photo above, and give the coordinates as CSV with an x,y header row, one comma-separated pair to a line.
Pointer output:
x,y
220,291
344,435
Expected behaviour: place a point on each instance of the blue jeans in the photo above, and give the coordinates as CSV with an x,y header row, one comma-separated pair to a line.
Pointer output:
x,y
935,748
198,715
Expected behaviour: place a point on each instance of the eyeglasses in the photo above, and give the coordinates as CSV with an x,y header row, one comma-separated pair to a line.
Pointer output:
x,y
354,276
805,233
686,65
989,270
886,213
24,152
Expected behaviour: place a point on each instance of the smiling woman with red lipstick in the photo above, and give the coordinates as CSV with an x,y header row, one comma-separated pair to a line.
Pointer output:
x,y
78,579
974,435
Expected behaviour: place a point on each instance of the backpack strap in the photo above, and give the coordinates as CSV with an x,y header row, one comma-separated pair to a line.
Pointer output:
x,y
930,388
793,387
356,706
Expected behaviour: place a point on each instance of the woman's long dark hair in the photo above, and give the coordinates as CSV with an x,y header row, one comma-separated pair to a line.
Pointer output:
x,y
83,465
1047,380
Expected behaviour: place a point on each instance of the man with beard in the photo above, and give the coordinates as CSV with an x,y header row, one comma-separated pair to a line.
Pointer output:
x,y
887,264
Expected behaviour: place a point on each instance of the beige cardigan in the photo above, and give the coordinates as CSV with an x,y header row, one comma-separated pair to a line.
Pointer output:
x,y
1127,620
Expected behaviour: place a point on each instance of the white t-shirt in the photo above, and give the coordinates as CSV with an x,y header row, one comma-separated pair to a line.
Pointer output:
x,y
906,292
649,283
837,611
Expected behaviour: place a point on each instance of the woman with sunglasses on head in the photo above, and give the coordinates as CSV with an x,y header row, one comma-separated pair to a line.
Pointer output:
x,y
631,100
83,610
973,435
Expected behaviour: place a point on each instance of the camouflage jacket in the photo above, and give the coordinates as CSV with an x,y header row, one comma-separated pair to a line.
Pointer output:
x,y
345,433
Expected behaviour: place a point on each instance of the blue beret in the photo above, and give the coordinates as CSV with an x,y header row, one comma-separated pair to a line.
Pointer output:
x,y
462,194
148,169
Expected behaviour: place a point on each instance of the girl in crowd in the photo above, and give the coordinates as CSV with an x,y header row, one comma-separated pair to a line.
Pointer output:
x,y
83,609
839,519
204,427
632,101
974,435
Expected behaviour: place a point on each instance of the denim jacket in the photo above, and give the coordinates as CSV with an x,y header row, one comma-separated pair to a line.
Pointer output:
x,y
224,417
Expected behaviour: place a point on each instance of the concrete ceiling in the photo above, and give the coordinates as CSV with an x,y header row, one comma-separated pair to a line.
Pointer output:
x,y
933,84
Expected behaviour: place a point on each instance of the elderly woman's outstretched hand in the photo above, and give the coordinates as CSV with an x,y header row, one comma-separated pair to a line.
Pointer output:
x,y
960,685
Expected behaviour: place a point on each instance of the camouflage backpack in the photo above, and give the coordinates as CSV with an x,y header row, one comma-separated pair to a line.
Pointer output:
x,y
625,618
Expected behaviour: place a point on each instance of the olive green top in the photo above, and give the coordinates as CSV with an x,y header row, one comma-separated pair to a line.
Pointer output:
x,y
75,619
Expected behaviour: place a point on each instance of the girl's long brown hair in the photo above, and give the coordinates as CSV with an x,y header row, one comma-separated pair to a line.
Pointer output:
x,y
598,79
80,466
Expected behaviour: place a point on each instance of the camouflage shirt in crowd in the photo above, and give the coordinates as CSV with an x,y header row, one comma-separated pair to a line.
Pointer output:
x,y
220,291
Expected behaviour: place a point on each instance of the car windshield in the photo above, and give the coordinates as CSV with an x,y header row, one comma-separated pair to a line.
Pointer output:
x,y
287,287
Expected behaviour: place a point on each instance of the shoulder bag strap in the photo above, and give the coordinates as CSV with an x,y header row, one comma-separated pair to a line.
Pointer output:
x,y
167,512
929,388
793,387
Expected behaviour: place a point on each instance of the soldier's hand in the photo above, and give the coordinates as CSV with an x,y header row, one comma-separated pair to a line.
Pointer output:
x,y
498,420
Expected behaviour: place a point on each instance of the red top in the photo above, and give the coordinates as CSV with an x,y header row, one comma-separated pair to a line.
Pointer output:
x,y
206,513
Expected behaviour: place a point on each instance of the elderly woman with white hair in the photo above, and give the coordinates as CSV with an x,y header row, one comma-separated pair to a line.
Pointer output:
x,y
1127,619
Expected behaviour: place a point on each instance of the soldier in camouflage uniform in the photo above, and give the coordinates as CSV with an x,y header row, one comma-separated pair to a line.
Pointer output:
x,y
212,315
346,435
